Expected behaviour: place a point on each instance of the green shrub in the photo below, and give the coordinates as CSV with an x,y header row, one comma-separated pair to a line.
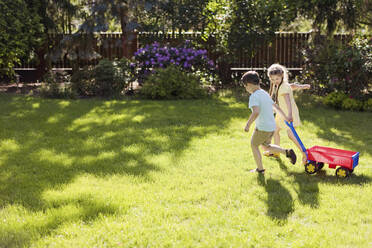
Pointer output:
x,y
172,83
83,81
57,85
126,71
340,100
335,99
367,105
108,78
352,104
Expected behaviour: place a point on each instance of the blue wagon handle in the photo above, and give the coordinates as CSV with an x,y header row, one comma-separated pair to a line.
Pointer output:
x,y
290,125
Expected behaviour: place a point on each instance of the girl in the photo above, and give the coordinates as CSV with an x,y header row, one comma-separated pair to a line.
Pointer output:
x,y
282,94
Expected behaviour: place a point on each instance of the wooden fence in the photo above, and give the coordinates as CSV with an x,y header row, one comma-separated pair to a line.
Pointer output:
x,y
285,48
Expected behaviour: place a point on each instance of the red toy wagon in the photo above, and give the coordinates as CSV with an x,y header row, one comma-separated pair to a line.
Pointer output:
x,y
317,156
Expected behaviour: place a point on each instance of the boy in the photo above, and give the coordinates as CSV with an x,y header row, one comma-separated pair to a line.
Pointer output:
x,y
262,113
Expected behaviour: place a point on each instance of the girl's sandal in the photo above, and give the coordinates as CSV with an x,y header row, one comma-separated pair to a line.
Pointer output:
x,y
269,154
258,171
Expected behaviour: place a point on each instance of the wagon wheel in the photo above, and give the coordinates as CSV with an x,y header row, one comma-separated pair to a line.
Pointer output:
x,y
342,172
319,165
310,167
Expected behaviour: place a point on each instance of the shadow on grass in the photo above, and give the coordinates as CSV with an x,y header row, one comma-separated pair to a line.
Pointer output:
x,y
279,199
45,144
308,190
308,185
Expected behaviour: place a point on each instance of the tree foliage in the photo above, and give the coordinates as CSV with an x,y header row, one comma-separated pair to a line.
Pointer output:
x,y
365,14
18,33
178,15
233,24
251,19
125,12
237,24
327,14
55,15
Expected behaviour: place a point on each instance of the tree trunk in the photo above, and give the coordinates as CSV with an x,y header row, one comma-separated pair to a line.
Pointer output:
x,y
41,68
124,37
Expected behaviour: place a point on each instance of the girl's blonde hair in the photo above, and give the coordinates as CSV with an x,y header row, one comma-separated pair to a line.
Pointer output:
x,y
277,69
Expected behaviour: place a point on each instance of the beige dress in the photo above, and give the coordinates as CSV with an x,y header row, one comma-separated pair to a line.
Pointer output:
x,y
285,88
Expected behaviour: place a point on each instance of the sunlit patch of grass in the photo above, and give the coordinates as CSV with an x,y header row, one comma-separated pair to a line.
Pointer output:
x,y
9,145
53,157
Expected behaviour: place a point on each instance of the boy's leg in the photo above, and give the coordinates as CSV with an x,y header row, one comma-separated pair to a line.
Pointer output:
x,y
257,157
294,140
256,140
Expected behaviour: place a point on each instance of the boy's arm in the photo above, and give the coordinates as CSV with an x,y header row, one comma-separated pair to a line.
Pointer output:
x,y
280,111
252,118
300,86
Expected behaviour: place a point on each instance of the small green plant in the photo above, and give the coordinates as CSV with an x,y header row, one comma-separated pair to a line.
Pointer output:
x,y
340,100
367,105
335,99
352,104
126,70
173,83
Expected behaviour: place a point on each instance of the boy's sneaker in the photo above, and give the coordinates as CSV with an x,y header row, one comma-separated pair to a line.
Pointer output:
x,y
269,154
291,155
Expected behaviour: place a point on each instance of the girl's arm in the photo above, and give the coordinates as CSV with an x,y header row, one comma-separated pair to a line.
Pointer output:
x,y
300,86
280,111
289,105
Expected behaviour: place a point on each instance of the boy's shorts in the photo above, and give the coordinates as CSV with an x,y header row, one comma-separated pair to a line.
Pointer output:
x,y
261,138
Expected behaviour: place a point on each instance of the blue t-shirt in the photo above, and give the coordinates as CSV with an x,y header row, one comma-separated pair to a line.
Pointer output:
x,y
265,120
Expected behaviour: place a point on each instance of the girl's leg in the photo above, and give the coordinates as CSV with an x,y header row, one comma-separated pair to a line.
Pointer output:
x,y
288,152
275,149
294,140
277,136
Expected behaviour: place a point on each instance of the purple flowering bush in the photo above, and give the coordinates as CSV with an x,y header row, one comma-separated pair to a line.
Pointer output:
x,y
153,57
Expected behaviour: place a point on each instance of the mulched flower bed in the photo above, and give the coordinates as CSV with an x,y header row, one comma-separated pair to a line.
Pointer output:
x,y
20,88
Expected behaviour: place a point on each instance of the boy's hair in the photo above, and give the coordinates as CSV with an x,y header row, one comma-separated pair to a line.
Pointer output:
x,y
250,77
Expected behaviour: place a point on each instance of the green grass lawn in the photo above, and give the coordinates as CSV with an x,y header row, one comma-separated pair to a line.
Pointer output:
x,y
130,173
